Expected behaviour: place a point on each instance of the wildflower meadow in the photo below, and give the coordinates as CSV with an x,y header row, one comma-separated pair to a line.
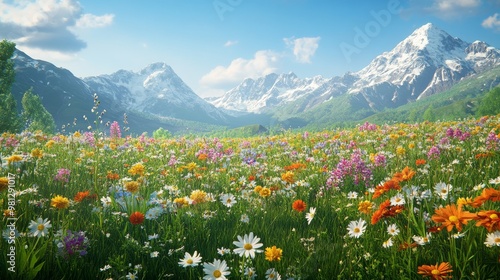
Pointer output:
x,y
393,201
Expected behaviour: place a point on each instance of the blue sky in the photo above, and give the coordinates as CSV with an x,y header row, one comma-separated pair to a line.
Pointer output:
x,y
214,44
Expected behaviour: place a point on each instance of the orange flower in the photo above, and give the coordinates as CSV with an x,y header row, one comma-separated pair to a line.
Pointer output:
x,y
299,205
404,175
436,272
202,156
452,216
490,219
112,176
386,210
81,196
420,161
388,185
487,194
295,166
136,218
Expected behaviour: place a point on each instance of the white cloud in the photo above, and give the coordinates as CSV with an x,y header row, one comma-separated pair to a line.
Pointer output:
x,y
303,48
230,43
93,21
454,8
492,22
261,64
47,24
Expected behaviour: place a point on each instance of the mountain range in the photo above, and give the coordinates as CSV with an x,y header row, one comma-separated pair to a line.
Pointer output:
x,y
426,63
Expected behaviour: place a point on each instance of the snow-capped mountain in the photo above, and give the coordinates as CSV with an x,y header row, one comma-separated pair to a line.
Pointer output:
x,y
156,90
428,61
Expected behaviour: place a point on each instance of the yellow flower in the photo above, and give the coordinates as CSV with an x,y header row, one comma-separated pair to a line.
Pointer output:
x,y
180,201
137,169
14,158
49,143
191,166
132,186
77,134
288,177
365,207
400,150
265,192
464,201
198,196
59,202
257,189
4,183
36,153
273,253
411,145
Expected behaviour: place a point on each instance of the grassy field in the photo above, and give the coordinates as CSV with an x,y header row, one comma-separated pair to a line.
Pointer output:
x,y
392,201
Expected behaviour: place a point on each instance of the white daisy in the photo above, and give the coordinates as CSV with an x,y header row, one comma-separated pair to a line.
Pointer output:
x,y
216,270
442,189
393,230
247,245
356,228
398,199
310,215
492,239
352,195
388,243
228,200
272,274
190,260
40,227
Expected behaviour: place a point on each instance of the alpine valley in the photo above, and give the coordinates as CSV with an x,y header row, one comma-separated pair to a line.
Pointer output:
x,y
428,69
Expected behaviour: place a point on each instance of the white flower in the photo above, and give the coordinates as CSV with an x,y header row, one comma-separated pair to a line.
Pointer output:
x,y
310,215
398,199
272,274
154,254
352,195
495,181
422,240
250,272
223,251
442,189
40,227
247,245
228,200
356,228
132,276
492,239
388,243
106,201
393,230
216,270
190,260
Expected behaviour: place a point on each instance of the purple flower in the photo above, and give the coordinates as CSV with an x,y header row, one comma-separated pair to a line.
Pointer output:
x,y
114,130
62,175
433,153
353,169
73,244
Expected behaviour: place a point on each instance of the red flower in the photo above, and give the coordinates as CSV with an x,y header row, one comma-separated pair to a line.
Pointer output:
x,y
299,205
136,218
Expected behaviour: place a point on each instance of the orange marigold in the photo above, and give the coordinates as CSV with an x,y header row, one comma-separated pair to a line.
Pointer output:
x,y
404,175
436,272
490,219
299,205
420,161
452,216
136,218
81,196
487,194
